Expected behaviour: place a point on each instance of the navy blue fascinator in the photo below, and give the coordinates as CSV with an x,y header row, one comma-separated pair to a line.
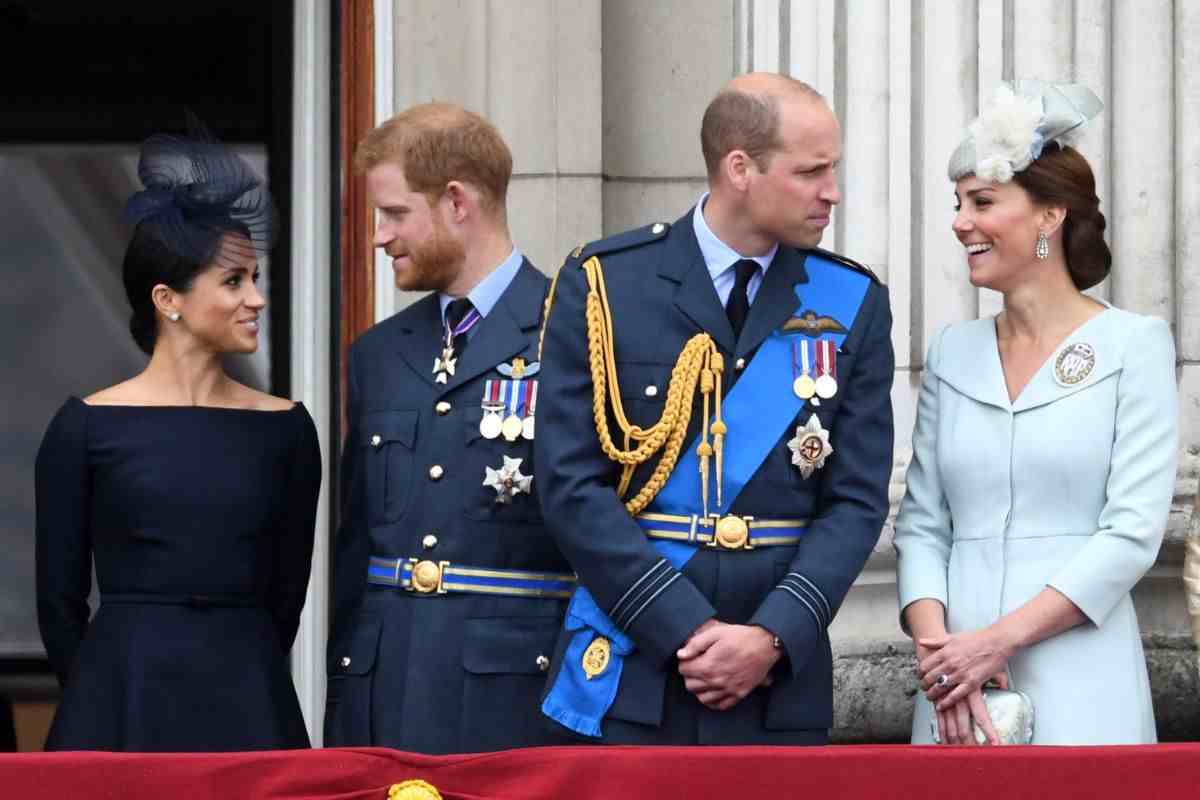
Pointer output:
x,y
197,191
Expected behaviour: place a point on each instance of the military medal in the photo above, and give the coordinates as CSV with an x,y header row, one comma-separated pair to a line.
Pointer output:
x,y
512,426
826,383
530,409
596,657
443,367
803,385
492,422
1074,364
508,480
810,447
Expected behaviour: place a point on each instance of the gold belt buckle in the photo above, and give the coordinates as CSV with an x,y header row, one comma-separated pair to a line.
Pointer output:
x,y
428,577
732,532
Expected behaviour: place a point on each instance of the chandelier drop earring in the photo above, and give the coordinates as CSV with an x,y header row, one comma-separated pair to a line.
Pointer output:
x,y
1042,251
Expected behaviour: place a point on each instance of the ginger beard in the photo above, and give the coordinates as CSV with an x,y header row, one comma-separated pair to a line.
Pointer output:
x,y
431,265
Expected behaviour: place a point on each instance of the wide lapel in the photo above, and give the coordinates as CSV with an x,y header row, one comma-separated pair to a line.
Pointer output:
x,y
504,332
420,341
683,264
969,361
776,299
1101,333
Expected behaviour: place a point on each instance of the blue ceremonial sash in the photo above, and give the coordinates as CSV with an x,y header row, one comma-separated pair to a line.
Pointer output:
x,y
757,412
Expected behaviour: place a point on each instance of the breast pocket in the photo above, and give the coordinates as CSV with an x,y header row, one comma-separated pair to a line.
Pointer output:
x,y
388,438
643,393
481,500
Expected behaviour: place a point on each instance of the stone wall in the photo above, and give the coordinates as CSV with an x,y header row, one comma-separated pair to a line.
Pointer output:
x,y
601,103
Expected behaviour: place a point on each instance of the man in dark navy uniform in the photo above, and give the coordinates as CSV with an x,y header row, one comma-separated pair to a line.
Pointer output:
x,y
448,592
705,598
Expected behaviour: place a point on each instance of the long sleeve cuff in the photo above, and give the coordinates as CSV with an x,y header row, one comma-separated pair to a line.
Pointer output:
x,y
798,613
661,611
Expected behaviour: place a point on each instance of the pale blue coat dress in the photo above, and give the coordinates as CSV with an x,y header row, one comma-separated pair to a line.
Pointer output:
x,y
1068,487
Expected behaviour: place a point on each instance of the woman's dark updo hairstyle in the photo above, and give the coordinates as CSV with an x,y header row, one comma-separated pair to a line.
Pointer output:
x,y
1060,176
149,262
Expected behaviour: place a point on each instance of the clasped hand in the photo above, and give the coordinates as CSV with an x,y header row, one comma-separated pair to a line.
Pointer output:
x,y
722,663
963,662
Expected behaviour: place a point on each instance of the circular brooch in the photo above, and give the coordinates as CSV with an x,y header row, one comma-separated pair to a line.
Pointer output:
x,y
1074,364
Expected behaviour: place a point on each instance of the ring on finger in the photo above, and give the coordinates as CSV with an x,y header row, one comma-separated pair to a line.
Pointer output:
x,y
943,680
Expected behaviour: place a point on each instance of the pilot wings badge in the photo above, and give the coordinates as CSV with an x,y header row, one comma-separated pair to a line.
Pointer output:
x,y
811,324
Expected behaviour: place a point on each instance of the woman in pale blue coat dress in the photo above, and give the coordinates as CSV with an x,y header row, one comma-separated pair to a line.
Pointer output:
x,y
1044,452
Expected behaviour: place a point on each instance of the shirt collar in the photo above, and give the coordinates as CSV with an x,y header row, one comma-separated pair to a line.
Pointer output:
x,y
718,256
487,292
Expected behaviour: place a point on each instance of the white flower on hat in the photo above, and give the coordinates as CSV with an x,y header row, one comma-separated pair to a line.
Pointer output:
x,y
1006,135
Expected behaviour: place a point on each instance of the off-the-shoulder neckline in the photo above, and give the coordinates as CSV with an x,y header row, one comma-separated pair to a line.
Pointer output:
x,y
295,405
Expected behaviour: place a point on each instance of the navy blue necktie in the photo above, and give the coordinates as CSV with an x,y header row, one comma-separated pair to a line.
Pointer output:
x,y
737,308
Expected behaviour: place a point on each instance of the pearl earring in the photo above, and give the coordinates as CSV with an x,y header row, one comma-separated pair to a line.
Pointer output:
x,y
1042,251
173,316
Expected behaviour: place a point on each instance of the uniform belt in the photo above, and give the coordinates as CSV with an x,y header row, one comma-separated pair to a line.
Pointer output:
x,y
194,600
441,577
730,532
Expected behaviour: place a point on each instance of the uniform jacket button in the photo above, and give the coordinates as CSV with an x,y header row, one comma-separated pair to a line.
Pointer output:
x,y
740,364
376,440
442,408
651,391
436,472
345,662
543,663
429,542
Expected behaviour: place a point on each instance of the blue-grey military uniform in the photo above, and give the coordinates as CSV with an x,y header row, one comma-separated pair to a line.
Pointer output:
x,y
426,667
661,294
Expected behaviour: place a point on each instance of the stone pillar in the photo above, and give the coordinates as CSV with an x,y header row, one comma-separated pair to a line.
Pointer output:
x,y
663,61
536,75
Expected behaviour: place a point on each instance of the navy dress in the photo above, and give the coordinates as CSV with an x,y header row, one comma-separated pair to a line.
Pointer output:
x,y
200,522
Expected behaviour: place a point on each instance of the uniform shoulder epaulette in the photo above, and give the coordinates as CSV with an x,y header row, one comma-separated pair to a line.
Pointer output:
x,y
621,241
848,262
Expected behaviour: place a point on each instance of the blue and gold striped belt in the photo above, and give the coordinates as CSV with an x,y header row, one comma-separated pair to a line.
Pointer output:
x,y
441,577
730,532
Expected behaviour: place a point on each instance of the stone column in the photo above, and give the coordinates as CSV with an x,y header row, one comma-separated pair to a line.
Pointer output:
x,y
536,75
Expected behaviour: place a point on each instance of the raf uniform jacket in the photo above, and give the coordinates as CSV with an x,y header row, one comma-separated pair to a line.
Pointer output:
x,y
438,673
661,294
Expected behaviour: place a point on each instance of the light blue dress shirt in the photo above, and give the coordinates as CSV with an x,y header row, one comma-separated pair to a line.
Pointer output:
x,y
720,257
487,292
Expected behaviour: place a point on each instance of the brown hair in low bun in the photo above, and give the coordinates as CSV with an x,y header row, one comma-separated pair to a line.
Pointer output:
x,y
1063,177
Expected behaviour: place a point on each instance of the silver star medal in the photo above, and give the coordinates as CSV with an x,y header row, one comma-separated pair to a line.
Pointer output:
x,y
508,480
444,367
810,447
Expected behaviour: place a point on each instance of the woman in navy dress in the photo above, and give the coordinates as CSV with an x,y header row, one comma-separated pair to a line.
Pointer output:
x,y
194,495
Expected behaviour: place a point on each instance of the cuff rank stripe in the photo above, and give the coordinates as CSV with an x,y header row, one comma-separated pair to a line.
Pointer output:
x,y
809,598
819,594
801,598
649,584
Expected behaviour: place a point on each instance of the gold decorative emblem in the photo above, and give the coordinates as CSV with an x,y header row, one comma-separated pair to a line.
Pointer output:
x,y
810,447
1074,364
732,533
596,657
508,480
426,577
810,324
414,790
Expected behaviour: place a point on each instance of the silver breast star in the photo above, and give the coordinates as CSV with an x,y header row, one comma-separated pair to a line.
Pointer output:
x,y
810,446
508,480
